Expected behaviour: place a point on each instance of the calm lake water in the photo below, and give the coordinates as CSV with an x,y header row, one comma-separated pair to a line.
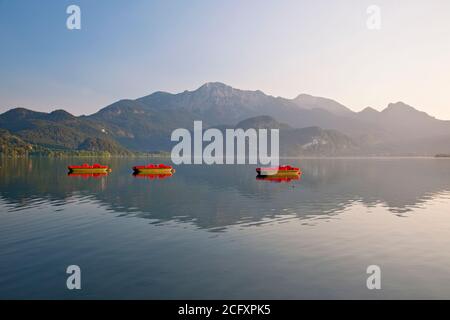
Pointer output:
x,y
217,232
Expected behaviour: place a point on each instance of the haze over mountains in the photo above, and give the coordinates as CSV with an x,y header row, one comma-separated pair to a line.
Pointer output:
x,y
308,125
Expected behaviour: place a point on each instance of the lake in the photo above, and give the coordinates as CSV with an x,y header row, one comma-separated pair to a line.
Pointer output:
x,y
217,232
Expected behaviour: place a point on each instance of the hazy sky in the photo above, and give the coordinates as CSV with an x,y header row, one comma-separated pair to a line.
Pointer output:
x,y
128,49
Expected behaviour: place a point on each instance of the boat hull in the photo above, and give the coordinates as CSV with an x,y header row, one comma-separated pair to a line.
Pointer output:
x,y
89,170
279,173
163,171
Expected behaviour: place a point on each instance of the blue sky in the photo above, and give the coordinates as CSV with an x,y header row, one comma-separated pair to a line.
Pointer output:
x,y
128,49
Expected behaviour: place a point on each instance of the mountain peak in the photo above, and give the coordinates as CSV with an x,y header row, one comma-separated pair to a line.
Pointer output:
x,y
261,122
306,101
19,111
304,96
215,88
215,85
401,110
18,114
60,114
368,110
399,106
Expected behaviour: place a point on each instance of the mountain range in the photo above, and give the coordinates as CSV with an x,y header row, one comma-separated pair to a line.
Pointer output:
x,y
309,126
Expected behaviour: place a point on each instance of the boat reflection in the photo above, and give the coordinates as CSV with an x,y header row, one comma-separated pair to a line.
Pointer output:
x,y
279,178
152,176
87,175
328,186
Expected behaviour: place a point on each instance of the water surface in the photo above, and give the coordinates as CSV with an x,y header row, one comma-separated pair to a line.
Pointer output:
x,y
217,232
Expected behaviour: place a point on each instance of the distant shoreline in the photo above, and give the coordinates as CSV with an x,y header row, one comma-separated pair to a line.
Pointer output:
x,y
167,156
87,155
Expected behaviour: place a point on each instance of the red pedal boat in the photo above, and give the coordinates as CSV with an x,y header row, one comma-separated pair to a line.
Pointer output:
x,y
279,171
86,168
154,169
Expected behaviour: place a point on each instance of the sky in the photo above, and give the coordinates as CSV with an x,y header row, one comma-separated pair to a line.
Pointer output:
x,y
129,49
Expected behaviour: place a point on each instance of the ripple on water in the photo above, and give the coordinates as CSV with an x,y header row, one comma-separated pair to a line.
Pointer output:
x,y
225,233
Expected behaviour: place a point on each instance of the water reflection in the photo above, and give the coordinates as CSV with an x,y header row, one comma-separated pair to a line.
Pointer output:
x,y
87,175
214,197
278,179
152,176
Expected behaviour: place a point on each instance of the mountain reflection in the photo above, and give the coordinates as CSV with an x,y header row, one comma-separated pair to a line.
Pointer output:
x,y
214,197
